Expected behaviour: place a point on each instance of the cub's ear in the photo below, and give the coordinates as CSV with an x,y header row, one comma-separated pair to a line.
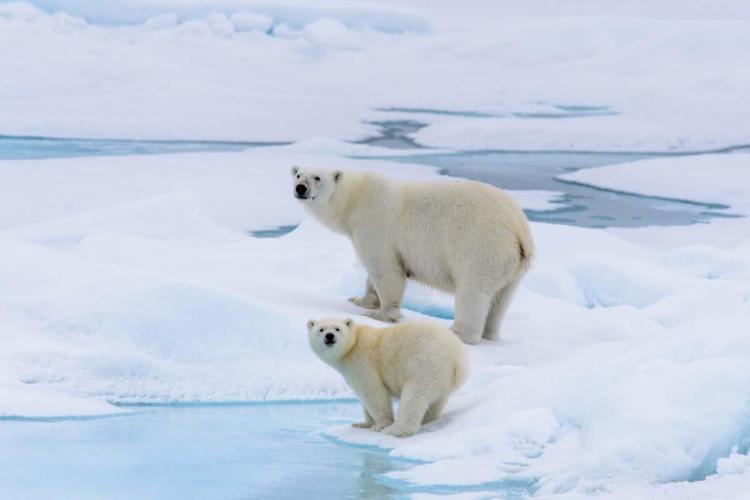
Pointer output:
x,y
310,324
295,170
337,176
348,322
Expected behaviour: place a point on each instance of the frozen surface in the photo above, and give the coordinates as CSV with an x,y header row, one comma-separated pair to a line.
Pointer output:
x,y
132,279
298,70
625,359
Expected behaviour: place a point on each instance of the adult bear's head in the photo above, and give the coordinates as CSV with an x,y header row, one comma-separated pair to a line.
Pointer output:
x,y
315,186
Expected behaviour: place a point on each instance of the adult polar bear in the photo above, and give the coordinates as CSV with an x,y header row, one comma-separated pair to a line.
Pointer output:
x,y
462,237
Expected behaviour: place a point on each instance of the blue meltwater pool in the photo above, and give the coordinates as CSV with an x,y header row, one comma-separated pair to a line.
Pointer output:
x,y
192,452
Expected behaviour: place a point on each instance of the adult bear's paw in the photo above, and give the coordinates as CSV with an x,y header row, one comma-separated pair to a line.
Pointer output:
x,y
364,303
392,315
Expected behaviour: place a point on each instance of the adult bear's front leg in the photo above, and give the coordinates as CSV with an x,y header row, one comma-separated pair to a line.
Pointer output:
x,y
386,274
369,300
390,287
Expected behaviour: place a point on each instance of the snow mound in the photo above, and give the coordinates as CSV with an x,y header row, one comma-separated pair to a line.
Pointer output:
x,y
246,15
172,216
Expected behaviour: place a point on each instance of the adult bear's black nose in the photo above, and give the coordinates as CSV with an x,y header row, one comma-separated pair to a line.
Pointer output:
x,y
330,338
301,189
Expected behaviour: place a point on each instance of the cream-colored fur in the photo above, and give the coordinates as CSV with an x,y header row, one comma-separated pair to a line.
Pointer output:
x,y
462,237
420,363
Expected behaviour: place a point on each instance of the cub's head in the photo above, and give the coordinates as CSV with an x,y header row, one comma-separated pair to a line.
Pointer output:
x,y
315,186
331,339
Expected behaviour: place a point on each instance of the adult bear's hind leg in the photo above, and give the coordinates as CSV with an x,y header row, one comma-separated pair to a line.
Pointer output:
x,y
499,308
472,309
369,300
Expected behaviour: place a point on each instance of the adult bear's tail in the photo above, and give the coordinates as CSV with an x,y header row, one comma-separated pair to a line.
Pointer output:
x,y
525,248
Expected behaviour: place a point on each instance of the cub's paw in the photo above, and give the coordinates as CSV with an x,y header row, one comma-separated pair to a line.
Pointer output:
x,y
398,431
363,425
361,302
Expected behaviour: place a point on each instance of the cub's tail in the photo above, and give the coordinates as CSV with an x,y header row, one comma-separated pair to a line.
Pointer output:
x,y
460,371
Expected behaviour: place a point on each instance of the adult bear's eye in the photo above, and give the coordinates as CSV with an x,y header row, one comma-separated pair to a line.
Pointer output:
x,y
337,329
321,330
317,179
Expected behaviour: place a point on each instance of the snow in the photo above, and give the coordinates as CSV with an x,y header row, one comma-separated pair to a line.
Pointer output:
x,y
623,368
253,14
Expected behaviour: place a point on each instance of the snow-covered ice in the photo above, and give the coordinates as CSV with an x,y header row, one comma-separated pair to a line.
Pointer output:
x,y
146,287
624,367
670,74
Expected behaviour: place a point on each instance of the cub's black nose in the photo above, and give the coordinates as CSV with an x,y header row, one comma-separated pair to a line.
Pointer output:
x,y
301,189
330,339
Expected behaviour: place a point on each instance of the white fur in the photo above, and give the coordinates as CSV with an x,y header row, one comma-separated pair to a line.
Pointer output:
x,y
462,237
420,363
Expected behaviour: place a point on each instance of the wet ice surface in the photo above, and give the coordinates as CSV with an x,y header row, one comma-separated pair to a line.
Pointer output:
x,y
273,233
582,205
178,452
545,110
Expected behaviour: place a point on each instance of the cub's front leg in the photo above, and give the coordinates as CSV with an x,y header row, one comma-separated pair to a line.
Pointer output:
x,y
375,399
367,424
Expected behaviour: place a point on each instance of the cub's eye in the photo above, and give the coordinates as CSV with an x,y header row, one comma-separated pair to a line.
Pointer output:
x,y
321,330
317,179
337,329
298,176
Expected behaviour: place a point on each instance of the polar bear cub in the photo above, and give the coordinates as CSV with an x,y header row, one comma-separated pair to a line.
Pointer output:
x,y
420,363
461,237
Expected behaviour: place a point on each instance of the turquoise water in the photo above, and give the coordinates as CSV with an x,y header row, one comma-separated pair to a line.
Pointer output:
x,y
193,452
27,148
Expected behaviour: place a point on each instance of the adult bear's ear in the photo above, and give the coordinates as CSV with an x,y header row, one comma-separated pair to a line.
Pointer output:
x,y
310,324
295,170
337,176
348,322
